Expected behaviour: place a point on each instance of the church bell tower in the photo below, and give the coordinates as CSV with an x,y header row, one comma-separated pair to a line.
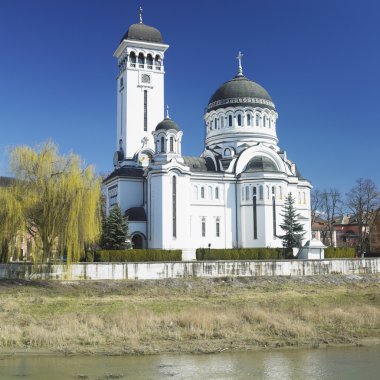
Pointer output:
x,y
140,88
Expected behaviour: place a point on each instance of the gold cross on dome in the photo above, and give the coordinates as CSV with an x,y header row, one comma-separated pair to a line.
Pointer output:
x,y
140,14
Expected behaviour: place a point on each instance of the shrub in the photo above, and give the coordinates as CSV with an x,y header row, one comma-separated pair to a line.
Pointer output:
x,y
339,253
240,254
133,255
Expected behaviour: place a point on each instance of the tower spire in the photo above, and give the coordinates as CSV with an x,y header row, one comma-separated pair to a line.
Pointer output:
x,y
140,14
240,69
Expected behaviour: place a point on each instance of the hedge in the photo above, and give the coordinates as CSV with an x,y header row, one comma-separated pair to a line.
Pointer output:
x,y
133,255
340,253
240,254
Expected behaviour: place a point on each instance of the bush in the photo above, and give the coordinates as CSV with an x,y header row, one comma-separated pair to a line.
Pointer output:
x,y
339,253
240,254
133,255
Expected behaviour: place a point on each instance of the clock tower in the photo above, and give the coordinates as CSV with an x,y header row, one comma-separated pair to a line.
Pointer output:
x,y
140,89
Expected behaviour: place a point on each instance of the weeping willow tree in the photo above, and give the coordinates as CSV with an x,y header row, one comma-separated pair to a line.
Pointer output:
x,y
55,200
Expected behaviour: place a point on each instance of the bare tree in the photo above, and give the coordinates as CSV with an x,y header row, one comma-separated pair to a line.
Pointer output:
x,y
315,206
331,202
362,200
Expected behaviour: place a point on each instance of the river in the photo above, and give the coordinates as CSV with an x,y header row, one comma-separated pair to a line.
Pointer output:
x,y
331,363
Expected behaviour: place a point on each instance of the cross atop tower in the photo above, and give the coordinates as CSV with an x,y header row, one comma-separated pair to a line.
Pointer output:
x,y
167,112
239,57
140,14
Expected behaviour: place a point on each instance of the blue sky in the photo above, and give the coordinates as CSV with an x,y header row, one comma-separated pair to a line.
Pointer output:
x,y
319,60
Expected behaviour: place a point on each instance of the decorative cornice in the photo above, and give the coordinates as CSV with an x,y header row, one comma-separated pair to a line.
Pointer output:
x,y
240,100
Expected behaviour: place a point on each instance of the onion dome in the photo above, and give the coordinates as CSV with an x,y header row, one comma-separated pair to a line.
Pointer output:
x,y
167,124
240,91
142,32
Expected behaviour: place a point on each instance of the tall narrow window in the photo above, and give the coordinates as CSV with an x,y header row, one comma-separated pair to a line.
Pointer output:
x,y
162,145
254,214
203,227
257,120
216,123
274,215
280,189
217,193
261,192
239,120
247,193
145,110
230,121
217,227
174,206
209,192
171,144
222,122
141,60
248,119
202,192
265,121
267,192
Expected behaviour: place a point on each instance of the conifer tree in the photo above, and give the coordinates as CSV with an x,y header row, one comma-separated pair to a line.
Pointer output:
x,y
293,229
115,230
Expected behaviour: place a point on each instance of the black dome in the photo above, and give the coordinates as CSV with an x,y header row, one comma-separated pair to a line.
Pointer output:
x,y
167,124
142,32
240,91
261,164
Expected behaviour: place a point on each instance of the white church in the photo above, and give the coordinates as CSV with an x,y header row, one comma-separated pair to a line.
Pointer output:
x,y
232,196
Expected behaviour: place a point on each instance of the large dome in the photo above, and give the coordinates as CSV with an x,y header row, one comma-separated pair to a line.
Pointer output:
x,y
240,91
142,32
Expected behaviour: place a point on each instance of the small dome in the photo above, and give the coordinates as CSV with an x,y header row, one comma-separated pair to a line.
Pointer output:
x,y
167,124
142,32
240,91
261,164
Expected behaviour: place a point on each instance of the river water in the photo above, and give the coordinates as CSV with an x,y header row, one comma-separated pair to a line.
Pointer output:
x,y
332,363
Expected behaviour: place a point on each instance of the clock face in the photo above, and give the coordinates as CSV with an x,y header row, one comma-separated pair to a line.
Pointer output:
x,y
144,159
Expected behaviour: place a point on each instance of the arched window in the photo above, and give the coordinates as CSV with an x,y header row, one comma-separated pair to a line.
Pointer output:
x,y
212,124
217,193
162,150
239,120
273,190
242,193
249,120
157,62
230,120
270,123
174,206
217,227
132,59
202,192
267,192
209,192
247,193
227,152
280,190
254,190
261,192
171,144
203,227
141,60
222,122
265,121
257,120
149,61
216,123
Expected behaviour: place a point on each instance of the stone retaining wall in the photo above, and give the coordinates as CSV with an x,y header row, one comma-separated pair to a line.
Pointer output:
x,y
158,270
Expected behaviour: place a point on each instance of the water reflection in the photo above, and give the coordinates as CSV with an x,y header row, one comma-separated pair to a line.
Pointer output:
x,y
342,363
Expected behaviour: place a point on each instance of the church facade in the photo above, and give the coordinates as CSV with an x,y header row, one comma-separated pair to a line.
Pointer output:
x,y
232,196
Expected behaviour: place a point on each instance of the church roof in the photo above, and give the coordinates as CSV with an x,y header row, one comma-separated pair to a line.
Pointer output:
x,y
240,91
125,171
136,214
142,32
199,164
167,124
261,164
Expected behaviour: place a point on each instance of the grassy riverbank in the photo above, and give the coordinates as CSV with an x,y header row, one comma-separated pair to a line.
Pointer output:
x,y
188,315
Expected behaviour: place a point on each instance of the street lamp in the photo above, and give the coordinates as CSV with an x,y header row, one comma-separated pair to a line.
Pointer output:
x,y
209,249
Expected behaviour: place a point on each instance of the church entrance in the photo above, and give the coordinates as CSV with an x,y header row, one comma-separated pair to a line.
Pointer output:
x,y
137,241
